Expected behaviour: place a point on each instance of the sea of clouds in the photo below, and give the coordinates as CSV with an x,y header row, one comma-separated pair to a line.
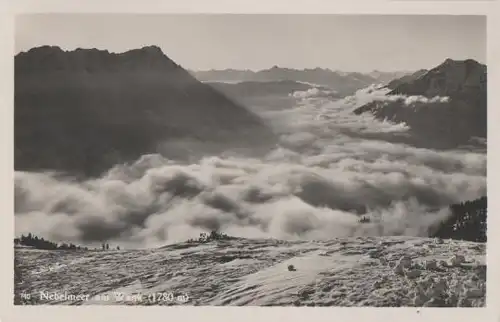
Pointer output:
x,y
382,94
314,92
330,167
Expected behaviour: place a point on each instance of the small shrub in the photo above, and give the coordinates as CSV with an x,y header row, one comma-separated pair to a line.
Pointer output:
x,y
213,235
364,220
40,243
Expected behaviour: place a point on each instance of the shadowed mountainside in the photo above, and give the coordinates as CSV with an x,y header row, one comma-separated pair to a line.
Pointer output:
x,y
445,107
85,110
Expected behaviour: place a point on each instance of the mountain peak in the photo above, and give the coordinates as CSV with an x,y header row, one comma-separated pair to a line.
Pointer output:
x,y
92,59
152,49
459,118
454,62
43,50
114,107
447,79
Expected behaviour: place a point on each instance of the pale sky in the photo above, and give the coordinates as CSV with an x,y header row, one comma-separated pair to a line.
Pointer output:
x,y
200,42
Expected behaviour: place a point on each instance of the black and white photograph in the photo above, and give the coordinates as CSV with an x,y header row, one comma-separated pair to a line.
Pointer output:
x,y
287,160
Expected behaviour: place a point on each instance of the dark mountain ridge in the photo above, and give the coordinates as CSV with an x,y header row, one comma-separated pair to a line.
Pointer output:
x,y
50,58
449,123
463,78
85,110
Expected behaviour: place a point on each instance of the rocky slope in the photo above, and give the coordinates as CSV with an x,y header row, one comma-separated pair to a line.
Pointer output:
x,y
445,107
83,111
363,271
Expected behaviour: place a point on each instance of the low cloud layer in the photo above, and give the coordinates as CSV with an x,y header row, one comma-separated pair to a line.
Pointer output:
x,y
327,171
412,100
381,94
313,93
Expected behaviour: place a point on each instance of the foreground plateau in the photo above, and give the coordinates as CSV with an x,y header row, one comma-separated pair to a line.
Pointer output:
x,y
363,271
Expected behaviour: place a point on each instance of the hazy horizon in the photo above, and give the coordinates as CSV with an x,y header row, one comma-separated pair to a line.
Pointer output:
x,y
353,43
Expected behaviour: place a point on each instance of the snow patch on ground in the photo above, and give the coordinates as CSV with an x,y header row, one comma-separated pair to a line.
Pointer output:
x,y
362,271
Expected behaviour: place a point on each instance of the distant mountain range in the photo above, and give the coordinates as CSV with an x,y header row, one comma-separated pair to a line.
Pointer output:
x,y
445,107
262,96
253,88
344,83
85,110
386,77
394,83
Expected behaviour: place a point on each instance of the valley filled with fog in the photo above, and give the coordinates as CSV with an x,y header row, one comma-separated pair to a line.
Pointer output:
x,y
328,168
138,182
